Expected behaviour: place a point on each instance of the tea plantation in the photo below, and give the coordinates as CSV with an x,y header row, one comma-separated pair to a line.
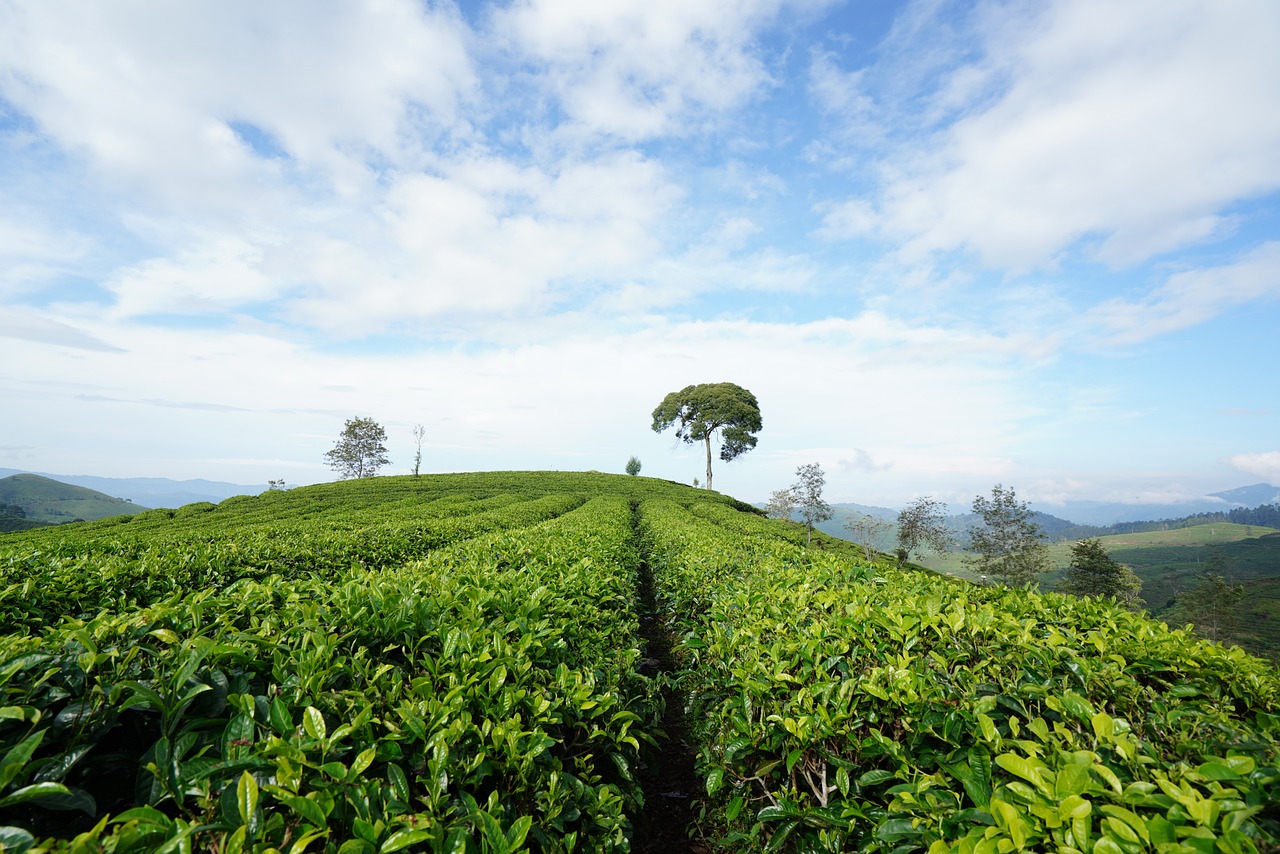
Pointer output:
x,y
466,663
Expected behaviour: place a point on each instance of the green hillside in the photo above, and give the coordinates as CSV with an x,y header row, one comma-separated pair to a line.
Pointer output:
x,y
52,502
1169,561
558,662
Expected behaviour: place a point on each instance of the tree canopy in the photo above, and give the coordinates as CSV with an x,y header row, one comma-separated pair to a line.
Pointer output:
x,y
1008,546
808,492
700,411
361,449
1212,605
922,524
1094,573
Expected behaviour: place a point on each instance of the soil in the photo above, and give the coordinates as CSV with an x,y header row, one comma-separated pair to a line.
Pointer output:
x,y
667,774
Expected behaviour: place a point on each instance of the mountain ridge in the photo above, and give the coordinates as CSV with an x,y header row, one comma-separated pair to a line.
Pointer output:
x,y
154,492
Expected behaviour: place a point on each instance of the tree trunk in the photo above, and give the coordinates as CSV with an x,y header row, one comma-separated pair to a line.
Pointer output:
x,y
707,440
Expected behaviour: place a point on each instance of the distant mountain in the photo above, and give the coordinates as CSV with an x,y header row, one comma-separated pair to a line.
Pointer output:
x,y
51,502
1250,496
153,491
1110,512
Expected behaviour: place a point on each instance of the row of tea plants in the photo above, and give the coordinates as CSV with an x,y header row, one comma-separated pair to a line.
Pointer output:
x,y
483,698
856,708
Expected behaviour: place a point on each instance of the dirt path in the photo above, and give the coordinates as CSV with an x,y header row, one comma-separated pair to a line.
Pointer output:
x,y
667,774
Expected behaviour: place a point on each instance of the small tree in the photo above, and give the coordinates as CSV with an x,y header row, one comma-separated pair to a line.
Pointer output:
x,y
865,530
419,433
1212,605
782,504
700,411
922,524
808,490
1008,545
361,449
1094,573
273,485
633,466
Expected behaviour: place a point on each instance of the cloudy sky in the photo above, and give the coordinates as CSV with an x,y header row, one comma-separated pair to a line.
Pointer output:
x,y
946,244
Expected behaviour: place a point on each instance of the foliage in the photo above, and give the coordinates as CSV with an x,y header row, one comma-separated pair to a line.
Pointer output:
x,y
922,524
808,491
454,663
700,411
850,709
633,466
14,518
782,504
484,698
361,449
1212,604
1094,573
1008,545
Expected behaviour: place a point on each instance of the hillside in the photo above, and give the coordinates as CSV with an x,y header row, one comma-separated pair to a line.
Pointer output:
x,y
1169,561
553,661
51,502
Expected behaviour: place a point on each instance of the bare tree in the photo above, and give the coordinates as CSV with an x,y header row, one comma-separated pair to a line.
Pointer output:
x,y
782,504
865,530
419,433
922,524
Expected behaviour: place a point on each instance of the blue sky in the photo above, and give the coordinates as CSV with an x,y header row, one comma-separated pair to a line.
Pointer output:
x,y
945,244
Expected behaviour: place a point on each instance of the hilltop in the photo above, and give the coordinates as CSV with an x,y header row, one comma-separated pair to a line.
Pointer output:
x,y
43,501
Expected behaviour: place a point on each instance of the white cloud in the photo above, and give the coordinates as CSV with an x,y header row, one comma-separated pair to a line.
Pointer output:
x,y
220,274
1132,126
643,68
1265,465
1187,298
147,94
31,252
29,326
571,400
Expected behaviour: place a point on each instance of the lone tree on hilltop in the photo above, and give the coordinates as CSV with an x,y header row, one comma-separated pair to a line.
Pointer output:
x,y
699,411
808,492
1008,546
922,524
1094,573
633,466
361,449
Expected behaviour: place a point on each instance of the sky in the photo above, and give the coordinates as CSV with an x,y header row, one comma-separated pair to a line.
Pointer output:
x,y
945,244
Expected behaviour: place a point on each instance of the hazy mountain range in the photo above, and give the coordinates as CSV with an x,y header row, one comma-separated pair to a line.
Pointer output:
x,y
1110,512
152,491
